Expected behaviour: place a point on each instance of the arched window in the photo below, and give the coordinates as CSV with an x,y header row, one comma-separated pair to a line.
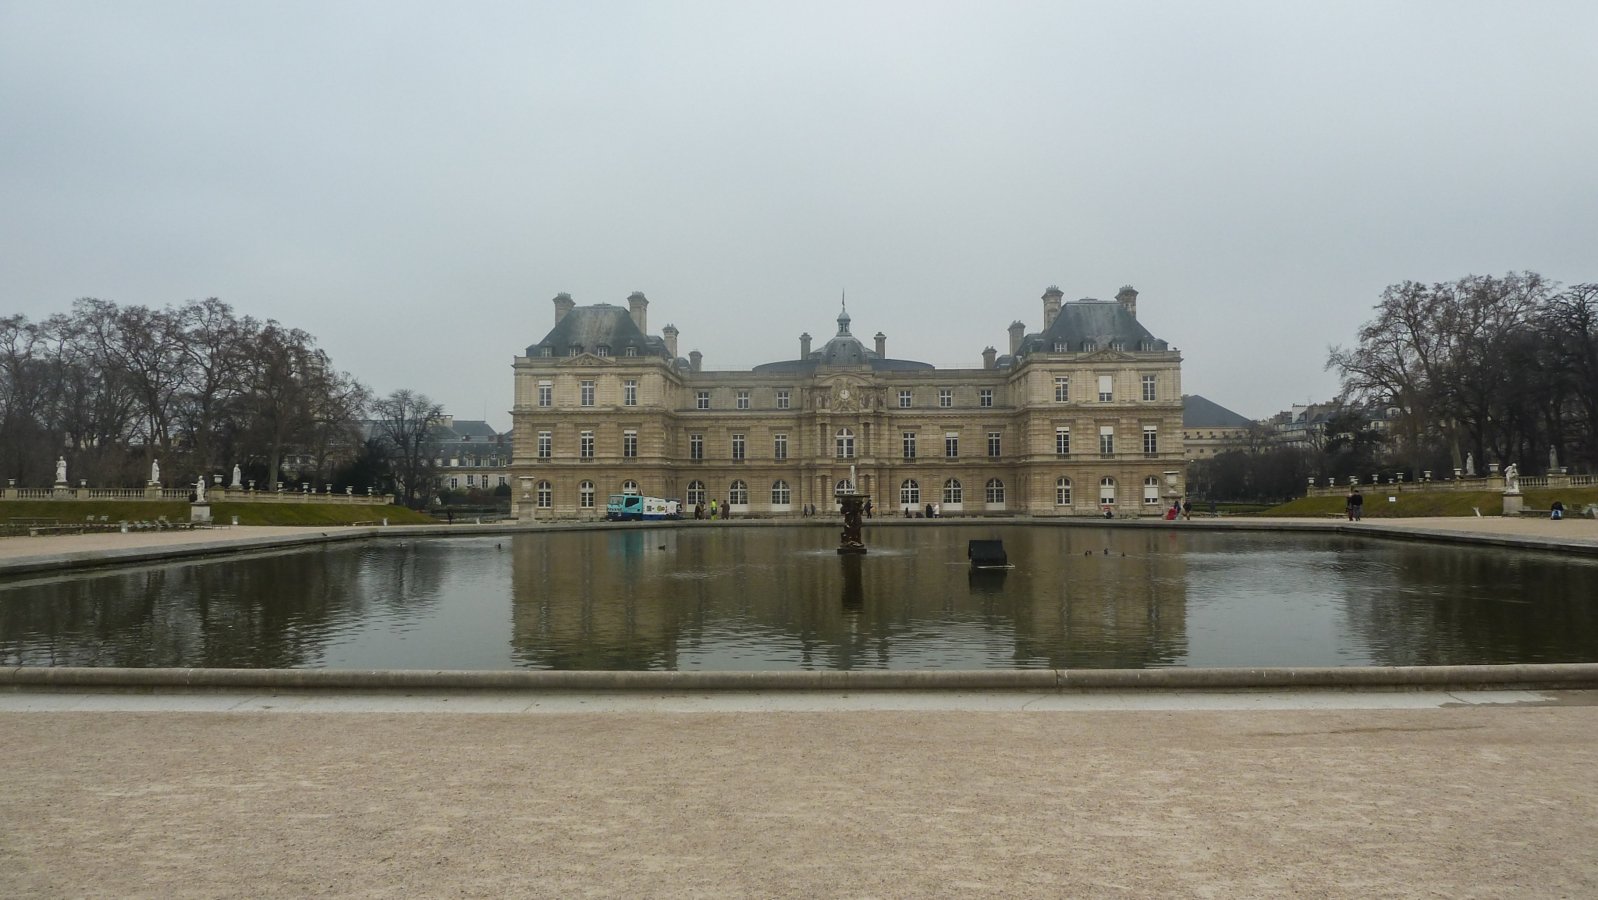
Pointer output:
x,y
910,493
1107,491
1151,491
738,494
629,487
1062,491
585,495
845,444
995,490
952,492
843,487
696,493
780,495
546,495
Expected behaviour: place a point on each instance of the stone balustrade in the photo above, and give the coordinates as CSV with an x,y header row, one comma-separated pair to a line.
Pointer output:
x,y
182,494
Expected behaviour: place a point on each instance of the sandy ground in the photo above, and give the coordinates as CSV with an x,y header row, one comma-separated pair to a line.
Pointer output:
x,y
1473,801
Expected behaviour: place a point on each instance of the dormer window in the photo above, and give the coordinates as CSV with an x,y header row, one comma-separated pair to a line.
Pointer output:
x,y
546,351
631,351
1059,346
1117,346
574,349
602,350
1145,346
1089,346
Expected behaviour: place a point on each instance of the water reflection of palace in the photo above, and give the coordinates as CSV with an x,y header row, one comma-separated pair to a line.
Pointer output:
x,y
758,598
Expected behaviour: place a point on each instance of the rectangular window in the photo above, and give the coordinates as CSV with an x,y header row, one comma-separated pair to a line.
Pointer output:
x,y
629,444
737,446
904,399
779,446
629,392
1106,440
782,399
993,443
702,400
585,445
1062,388
546,393
471,481
1148,387
909,444
696,446
743,399
1106,391
986,395
588,393
951,444
1062,441
945,397
1151,441
545,441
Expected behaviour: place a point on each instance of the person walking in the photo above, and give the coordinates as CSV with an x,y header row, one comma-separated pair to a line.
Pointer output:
x,y
1356,502
1187,510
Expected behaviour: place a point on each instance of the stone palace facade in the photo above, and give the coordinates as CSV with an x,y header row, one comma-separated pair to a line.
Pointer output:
x,y
1082,415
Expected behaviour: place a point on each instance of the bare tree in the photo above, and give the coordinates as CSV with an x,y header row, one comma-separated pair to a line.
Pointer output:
x,y
405,423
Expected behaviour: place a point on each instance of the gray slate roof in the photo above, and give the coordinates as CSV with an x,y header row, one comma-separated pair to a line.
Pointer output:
x,y
1101,322
604,324
1199,412
843,350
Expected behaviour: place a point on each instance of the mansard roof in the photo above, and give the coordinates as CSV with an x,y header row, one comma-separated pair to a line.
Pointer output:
x,y
602,324
1200,412
1093,324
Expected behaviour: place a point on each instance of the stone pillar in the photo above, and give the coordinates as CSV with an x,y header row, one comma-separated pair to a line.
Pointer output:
x,y
1513,504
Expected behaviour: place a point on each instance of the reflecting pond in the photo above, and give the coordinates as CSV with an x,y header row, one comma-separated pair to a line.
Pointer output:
x,y
695,598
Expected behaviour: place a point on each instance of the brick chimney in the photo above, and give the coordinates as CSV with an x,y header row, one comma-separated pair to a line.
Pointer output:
x,y
990,358
1017,332
882,345
1127,297
670,334
804,345
1051,305
695,358
638,306
563,305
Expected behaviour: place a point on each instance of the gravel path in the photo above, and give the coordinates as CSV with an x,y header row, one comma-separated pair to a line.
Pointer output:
x,y
1487,801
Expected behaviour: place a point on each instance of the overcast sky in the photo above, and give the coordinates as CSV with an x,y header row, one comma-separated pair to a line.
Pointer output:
x,y
413,183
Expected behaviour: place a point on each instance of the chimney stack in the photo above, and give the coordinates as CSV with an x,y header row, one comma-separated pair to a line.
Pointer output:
x,y
1017,331
670,334
1051,305
882,345
990,358
563,305
638,305
1127,297
694,359
804,346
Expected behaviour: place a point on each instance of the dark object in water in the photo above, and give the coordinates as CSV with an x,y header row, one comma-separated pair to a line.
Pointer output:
x,y
986,554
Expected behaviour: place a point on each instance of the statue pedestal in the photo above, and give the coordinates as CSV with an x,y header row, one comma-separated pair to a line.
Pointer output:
x,y
200,513
1514,503
60,491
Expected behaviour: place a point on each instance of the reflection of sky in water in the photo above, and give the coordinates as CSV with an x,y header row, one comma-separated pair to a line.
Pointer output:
x,y
781,598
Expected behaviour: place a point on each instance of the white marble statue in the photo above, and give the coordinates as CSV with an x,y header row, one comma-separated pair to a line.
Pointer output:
x,y
1511,479
1553,459
199,490
61,470
155,471
238,478
1470,464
